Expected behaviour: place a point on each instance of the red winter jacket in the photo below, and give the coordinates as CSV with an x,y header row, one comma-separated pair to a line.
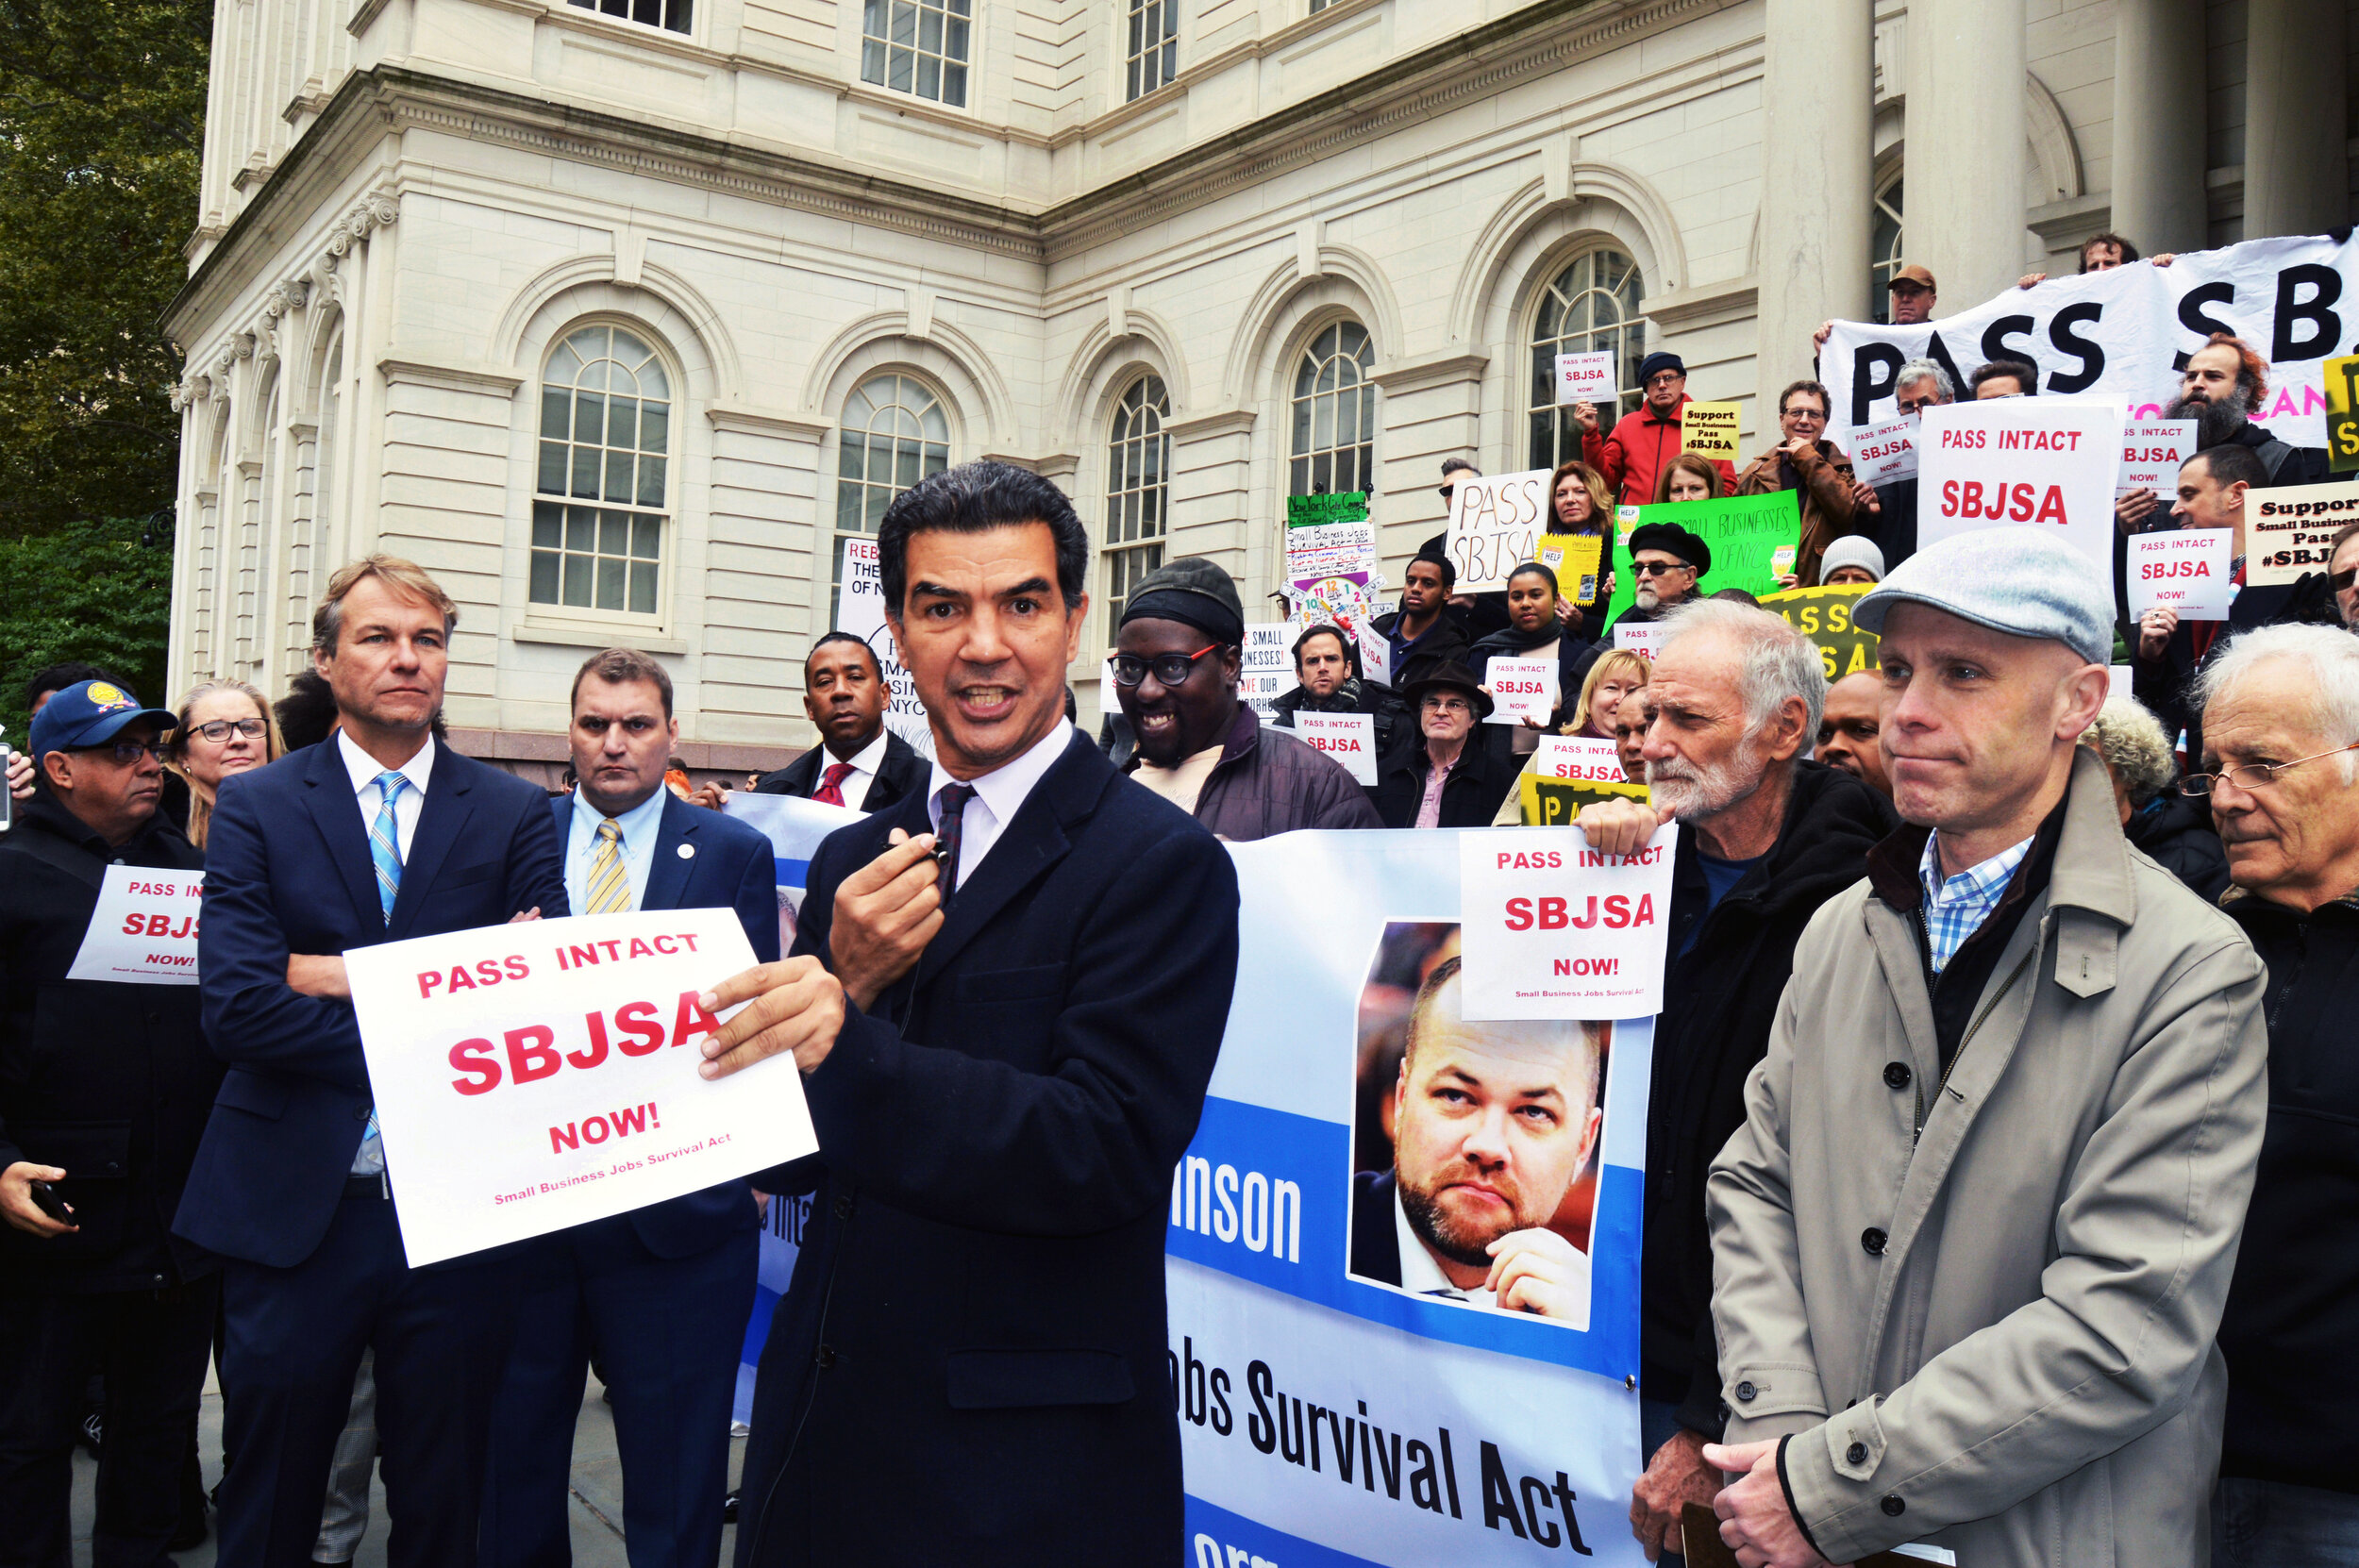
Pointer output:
x,y
1635,454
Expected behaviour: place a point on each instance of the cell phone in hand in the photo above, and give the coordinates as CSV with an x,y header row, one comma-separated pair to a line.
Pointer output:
x,y
45,1198
7,796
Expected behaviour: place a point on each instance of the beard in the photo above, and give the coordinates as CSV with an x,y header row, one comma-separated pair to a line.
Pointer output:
x,y
1645,596
1690,791
1463,1243
2215,421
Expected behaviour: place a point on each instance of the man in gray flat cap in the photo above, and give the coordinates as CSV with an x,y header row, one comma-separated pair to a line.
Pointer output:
x,y
1971,1246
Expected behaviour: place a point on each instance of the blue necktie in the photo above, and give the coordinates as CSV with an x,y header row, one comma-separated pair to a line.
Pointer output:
x,y
385,842
385,851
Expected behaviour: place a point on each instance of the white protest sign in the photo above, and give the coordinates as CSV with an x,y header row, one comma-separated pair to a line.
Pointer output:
x,y
2151,453
1267,671
1521,689
1349,738
2042,462
143,931
2119,333
1375,655
860,610
1556,929
533,1076
1495,527
1331,550
2288,532
1884,454
2120,681
1638,636
1584,379
2185,570
1581,759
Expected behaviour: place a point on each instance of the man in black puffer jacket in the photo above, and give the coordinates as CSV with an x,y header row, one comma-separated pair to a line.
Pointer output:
x,y
1764,840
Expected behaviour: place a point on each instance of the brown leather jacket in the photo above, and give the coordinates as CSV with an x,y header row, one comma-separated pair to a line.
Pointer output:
x,y
1824,477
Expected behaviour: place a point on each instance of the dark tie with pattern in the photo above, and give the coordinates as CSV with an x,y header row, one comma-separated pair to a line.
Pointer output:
x,y
947,837
830,791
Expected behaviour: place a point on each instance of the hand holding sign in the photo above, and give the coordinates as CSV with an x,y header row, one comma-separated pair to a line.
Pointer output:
x,y
794,1005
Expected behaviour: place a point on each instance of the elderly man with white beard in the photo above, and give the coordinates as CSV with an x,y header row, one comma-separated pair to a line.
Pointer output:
x,y
1733,701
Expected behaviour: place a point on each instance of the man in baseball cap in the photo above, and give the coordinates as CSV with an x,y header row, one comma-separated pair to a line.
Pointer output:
x,y
2018,1082
1914,298
90,713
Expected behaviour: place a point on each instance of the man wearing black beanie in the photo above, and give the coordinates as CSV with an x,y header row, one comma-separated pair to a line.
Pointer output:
x,y
1177,659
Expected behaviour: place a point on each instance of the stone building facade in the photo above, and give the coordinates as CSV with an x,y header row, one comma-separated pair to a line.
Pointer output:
x,y
622,316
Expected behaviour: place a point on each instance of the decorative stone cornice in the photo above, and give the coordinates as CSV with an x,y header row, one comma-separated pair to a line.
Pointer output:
x,y
481,380
1704,305
767,422
1445,370
1226,422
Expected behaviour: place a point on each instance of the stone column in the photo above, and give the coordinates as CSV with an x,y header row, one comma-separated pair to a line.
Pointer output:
x,y
2159,123
1818,100
2295,173
1966,145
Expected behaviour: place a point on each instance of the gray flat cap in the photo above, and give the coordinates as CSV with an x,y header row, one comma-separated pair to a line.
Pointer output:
x,y
2023,581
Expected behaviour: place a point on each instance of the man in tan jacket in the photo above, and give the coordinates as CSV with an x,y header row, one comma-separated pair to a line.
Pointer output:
x,y
1971,1246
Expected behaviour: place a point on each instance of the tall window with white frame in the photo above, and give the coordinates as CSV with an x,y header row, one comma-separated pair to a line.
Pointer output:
x,y
1883,250
670,15
894,433
1334,414
1138,484
917,46
599,504
1153,54
1591,307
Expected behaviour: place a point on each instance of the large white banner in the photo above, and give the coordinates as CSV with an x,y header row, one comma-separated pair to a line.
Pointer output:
x,y
1334,1407
542,1075
2126,333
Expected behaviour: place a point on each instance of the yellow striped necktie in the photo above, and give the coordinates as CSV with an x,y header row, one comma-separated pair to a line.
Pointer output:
x,y
610,883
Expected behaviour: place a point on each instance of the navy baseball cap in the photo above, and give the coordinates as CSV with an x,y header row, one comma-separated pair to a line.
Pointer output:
x,y
89,713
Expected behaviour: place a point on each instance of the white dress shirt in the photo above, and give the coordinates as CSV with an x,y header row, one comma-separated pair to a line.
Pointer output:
x,y
999,795
642,826
863,774
1421,1275
364,769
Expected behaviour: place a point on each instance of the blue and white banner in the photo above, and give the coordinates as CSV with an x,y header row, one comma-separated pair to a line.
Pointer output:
x,y
795,828
1404,1247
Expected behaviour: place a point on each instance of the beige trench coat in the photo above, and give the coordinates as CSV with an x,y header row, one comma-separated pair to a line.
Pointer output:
x,y
2026,1373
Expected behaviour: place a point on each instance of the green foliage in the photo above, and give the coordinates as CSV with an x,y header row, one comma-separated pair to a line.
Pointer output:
x,y
102,105
84,590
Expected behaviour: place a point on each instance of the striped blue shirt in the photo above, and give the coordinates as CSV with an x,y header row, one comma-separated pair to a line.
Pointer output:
x,y
1956,907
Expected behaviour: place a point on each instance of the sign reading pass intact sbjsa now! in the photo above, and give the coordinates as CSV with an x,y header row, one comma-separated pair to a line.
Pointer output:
x,y
538,1075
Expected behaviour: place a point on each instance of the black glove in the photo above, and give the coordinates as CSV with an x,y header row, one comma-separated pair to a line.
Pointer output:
x,y
2312,602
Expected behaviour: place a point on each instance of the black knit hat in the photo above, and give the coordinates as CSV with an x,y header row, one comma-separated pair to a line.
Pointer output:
x,y
1193,590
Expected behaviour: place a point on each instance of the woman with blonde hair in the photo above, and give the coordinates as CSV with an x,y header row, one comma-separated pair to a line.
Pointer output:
x,y
225,727
1579,502
1614,675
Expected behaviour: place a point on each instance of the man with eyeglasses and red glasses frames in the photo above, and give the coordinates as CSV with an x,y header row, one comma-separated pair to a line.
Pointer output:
x,y
2280,758
1175,662
105,1089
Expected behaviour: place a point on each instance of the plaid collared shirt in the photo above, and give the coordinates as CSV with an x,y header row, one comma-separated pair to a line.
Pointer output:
x,y
1955,907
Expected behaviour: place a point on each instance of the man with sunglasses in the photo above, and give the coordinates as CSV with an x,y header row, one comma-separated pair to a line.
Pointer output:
x,y
104,1092
1175,668
2280,761
1668,561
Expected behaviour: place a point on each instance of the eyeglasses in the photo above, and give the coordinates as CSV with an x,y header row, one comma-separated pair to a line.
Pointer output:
x,y
1659,568
1170,669
126,753
217,731
1918,404
1446,705
2251,777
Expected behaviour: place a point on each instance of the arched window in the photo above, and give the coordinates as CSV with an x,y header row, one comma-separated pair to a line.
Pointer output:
x,y
1334,414
598,519
894,434
1590,307
1884,248
1138,476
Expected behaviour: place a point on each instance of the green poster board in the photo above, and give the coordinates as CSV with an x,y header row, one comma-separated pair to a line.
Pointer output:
x,y
1743,530
1309,511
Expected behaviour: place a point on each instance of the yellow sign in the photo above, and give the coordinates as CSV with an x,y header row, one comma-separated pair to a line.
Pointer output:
x,y
1824,616
1576,559
1555,802
2342,414
1709,429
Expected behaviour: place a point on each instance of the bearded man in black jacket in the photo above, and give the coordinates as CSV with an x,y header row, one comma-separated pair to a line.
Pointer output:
x,y
1735,699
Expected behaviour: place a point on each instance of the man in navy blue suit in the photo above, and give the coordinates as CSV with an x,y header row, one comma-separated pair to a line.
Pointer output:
x,y
1007,997
376,834
660,1294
